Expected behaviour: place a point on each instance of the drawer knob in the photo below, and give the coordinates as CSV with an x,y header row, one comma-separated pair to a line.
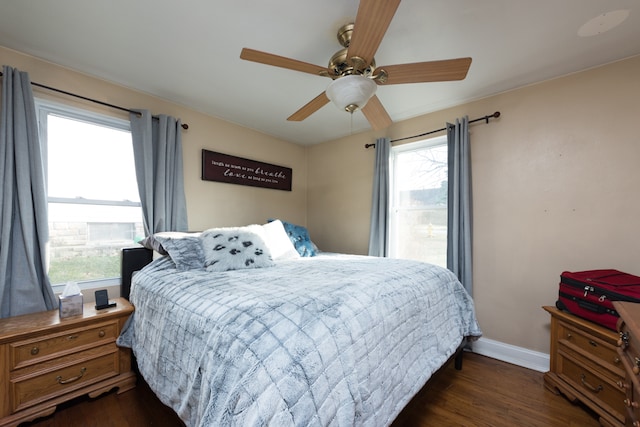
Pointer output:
x,y
589,386
623,342
621,384
101,334
631,403
34,351
72,379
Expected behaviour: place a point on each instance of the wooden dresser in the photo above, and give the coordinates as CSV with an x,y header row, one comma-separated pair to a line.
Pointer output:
x,y
585,366
629,351
45,360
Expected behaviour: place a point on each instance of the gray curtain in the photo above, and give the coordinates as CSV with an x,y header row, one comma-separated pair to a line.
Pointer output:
x,y
24,230
459,221
157,150
380,200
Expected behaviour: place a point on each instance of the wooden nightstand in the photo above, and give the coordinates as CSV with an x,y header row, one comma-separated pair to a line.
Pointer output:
x,y
629,351
46,360
585,366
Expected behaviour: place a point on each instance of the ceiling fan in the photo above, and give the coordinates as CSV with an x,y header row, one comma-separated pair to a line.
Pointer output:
x,y
353,69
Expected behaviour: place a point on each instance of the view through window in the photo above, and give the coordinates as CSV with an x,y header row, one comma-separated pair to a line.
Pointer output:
x,y
418,207
94,206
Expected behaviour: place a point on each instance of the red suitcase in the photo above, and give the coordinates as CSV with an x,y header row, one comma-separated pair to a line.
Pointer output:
x,y
588,294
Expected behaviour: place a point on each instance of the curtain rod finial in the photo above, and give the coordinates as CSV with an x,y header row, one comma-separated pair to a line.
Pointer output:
x,y
492,116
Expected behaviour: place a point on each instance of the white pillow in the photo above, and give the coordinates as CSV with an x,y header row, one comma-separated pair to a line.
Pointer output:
x,y
235,248
278,241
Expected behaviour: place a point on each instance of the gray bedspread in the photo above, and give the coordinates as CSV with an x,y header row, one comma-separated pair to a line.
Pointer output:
x,y
332,340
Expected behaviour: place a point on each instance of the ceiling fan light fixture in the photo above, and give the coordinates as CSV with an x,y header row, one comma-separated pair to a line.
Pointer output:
x,y
350,93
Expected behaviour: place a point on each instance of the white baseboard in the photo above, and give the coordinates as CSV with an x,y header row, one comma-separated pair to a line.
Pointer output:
x,y
511,354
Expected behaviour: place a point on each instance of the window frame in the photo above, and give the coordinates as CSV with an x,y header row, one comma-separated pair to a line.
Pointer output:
x,y
392,244
46,107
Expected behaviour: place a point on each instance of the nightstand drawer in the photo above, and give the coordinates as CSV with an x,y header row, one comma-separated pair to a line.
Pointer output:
x,y
633,406
593,383
31,390
28,352
629,345
590,344
632,401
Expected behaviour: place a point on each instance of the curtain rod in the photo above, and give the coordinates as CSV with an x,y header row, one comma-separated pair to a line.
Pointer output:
x,y
184,125
485,118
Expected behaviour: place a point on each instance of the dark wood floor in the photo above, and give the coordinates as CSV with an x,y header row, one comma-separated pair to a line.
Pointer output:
x,y
486,392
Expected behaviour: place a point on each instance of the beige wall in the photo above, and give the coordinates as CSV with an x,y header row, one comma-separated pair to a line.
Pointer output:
x,y
555,187
209,204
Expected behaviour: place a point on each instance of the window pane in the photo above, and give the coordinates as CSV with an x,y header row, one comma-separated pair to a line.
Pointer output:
x,y
94,206
84,248
115,232
90,161
419,204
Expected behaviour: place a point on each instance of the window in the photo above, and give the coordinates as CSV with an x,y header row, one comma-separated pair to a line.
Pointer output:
x,y
93,201
118,232
418,207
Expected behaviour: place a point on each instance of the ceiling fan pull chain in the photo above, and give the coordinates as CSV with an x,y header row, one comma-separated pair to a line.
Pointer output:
x,y
351,123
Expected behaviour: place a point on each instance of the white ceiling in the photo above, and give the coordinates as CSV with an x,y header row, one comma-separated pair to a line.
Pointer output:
x,y
188,51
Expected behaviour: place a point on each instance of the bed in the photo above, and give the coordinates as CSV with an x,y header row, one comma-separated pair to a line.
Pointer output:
x,y
329,339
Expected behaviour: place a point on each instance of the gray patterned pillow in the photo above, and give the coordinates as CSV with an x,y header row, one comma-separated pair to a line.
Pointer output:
x,y
235,248
185,249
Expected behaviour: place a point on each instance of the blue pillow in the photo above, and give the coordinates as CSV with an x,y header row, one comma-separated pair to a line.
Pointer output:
x,y
299,236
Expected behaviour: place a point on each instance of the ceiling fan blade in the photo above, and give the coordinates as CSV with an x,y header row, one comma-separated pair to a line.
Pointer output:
x,y
281,61
376,114
421,72
311,107
372,20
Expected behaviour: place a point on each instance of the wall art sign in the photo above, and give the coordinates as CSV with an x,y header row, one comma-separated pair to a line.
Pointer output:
x,y
237,170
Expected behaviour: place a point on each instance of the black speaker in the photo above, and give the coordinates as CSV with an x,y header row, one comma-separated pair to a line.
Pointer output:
x,y
133,259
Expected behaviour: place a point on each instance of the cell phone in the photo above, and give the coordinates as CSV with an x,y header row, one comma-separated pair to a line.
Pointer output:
x,y
102,300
